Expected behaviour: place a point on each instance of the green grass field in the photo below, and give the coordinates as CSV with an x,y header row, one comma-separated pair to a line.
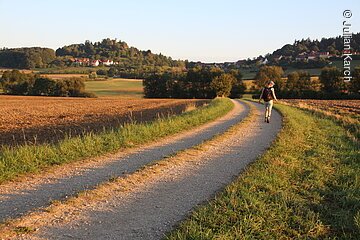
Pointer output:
x,y
116,87
306,186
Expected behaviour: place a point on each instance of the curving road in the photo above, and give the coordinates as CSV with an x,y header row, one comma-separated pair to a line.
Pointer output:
x,y
17,199
159,207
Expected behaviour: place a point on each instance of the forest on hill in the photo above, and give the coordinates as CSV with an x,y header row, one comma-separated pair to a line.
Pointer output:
x,y
116,53
307,53
333,45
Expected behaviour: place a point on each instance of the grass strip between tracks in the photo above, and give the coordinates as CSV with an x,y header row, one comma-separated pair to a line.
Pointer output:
x,y
26,159
306,186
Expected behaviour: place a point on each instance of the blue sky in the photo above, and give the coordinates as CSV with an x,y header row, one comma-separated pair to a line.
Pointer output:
x,y
205,30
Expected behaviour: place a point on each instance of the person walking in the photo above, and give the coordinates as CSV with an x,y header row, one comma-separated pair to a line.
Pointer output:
x,y
268,95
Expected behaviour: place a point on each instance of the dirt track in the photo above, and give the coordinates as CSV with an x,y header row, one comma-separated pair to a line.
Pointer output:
x,y
149,211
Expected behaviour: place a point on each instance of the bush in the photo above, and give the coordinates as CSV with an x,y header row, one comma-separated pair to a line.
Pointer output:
x,y
237,90
43,87
93,75
222,84
102,72
87,95
18,88
112,72
75,86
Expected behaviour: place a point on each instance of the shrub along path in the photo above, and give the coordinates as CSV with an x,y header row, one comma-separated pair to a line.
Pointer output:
x,y
18,198
165,193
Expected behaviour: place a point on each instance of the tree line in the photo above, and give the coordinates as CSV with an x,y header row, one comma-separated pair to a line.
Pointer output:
x,y
204,82
26,58
139,72
16,83
198,82
299,84
333,45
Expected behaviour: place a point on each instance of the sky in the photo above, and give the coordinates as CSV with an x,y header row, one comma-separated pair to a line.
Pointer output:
x,y
197,30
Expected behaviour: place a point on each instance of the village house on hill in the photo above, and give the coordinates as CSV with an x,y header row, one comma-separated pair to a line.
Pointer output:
x,y
93,63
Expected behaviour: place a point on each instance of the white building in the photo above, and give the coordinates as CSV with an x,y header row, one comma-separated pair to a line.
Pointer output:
x,y
95,63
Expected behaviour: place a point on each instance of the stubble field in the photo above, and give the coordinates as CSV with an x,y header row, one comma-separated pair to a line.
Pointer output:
x,y
46,119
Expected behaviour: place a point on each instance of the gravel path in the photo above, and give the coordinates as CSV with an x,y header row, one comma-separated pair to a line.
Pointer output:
x,y
155,209
17,199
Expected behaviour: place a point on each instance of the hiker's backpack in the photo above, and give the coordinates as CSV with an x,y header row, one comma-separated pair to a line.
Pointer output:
x,y
267,94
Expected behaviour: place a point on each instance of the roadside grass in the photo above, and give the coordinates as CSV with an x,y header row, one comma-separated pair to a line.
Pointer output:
x,y
349,122
15,161
306,186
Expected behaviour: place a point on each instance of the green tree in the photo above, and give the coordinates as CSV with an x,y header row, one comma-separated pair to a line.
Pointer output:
x,y
43,87
355,81
273,73
155,86
112,72
17,83
292,81
299,81
75,86
331,80
237,89
305,82
236,73
222,84
26,57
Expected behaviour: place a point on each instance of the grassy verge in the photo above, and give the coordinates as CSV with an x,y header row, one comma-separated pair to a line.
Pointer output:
x,y
350,121
24,159
307,186
351,124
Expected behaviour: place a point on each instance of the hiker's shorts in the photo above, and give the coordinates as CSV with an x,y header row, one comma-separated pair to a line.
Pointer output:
x,y
268,108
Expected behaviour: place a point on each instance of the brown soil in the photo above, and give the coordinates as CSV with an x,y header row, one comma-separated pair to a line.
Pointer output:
x,y
35,120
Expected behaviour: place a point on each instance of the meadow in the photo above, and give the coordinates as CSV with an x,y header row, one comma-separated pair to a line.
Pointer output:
x,y
105,87
116,87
